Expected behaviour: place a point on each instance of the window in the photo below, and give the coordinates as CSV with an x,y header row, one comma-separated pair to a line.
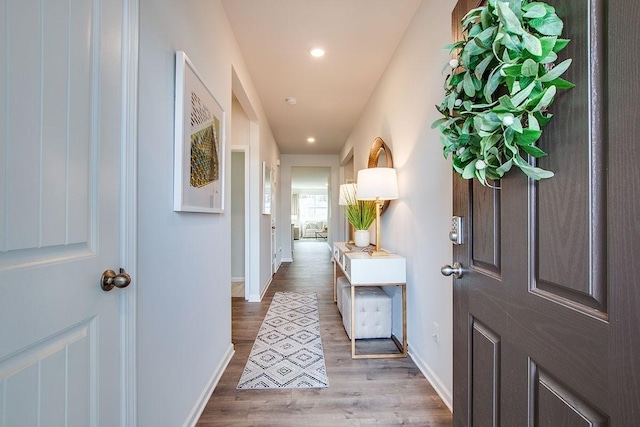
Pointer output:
x,y
313,207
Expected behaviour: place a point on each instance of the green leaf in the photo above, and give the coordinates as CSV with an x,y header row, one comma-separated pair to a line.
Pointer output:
x,y
481,175
512,42
451,100
508,18
482,66
471,16
438,122
531,43
530,68
508,137
533,151
550,58
512,70
489,142
506,167
561,84
455,79
527,137
530,171
485,18
474,31
453,46
516,125
469,88
547,44
542,118
469,171
535,10
556,71
550,25
485,38
505,101
471,49
560,44
533,122
492,84
546,99
521,96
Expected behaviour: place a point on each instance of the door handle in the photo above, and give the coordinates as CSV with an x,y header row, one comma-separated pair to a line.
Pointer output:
x,y
110,279
456,270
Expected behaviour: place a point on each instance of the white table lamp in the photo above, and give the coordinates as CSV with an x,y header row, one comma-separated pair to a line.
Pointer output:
x,y
377,184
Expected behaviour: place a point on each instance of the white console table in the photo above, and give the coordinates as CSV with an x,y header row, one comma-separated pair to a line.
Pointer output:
x,y
362,269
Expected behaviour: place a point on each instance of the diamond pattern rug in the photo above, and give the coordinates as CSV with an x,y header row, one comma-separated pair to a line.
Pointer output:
x,y
287,352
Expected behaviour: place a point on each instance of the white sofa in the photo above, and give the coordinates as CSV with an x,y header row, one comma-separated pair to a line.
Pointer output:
x,y
310,229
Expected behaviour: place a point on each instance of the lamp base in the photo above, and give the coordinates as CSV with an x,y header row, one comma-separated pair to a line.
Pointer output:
x,y
379,253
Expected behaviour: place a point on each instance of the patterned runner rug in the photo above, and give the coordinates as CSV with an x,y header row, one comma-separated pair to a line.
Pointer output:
x,y
287,352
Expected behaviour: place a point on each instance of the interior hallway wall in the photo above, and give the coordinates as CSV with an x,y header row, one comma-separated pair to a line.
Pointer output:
x,y
416,226
184,267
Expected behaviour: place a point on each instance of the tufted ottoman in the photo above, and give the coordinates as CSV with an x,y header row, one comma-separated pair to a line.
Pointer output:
x,y
342,283
372,312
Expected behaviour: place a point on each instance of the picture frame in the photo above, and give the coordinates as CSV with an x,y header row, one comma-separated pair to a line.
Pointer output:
x,y
199,143
266,189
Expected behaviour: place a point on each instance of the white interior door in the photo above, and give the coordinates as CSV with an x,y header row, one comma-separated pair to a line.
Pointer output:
x,y
60,209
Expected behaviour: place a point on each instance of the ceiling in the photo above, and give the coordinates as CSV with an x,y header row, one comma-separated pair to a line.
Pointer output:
x,y
359,37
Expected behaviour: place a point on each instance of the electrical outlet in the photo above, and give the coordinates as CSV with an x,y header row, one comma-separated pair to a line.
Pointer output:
x,y
436,332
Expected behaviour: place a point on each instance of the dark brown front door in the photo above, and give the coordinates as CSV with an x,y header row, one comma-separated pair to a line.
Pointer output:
x,y
547,313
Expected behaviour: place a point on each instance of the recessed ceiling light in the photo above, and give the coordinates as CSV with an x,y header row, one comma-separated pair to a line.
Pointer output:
x,y
317,52
311,140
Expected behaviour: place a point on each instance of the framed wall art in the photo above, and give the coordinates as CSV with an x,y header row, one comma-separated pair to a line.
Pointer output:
x,y
199,143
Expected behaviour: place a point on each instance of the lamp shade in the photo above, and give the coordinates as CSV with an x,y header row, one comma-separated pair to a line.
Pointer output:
x,y
347,194
380,183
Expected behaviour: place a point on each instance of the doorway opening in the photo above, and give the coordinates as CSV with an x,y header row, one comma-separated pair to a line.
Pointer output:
x,y
310,203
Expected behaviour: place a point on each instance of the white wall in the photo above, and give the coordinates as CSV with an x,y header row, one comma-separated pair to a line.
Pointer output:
x,y
184,293
416,226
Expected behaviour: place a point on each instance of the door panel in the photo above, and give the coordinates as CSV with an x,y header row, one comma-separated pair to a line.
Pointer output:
x,y
555,404
486,228
486,375
60,121
547,312
571,208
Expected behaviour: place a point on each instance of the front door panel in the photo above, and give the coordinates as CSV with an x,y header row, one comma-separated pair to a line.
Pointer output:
x,y
536,310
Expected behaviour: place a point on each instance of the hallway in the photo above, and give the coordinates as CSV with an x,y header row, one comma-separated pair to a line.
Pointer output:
x,y
361,392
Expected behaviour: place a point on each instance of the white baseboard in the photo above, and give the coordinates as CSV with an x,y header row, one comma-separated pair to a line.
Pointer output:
x,y
195,413
434,380
258,298
237,279
287,260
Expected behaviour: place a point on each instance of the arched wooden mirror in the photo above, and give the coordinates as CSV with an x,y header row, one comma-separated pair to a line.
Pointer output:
x,y
380,156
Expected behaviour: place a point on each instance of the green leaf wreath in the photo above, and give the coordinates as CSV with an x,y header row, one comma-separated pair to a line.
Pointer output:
x,y
501,82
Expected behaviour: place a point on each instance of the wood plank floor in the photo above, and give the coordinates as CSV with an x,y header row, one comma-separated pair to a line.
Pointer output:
x,y
388,392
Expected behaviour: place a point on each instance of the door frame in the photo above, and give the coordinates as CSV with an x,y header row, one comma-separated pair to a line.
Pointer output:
x,y
128,210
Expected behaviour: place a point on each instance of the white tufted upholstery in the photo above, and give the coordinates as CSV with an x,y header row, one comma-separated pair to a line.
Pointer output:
x,y
341,283
373,312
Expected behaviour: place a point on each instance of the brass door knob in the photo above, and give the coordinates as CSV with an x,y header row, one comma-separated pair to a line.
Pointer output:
x,y
110,279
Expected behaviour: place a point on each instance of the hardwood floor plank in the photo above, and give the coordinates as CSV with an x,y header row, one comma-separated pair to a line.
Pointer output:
x,y
361,392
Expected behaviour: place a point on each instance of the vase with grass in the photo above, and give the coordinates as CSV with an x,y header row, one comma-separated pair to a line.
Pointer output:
x,y
360,214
